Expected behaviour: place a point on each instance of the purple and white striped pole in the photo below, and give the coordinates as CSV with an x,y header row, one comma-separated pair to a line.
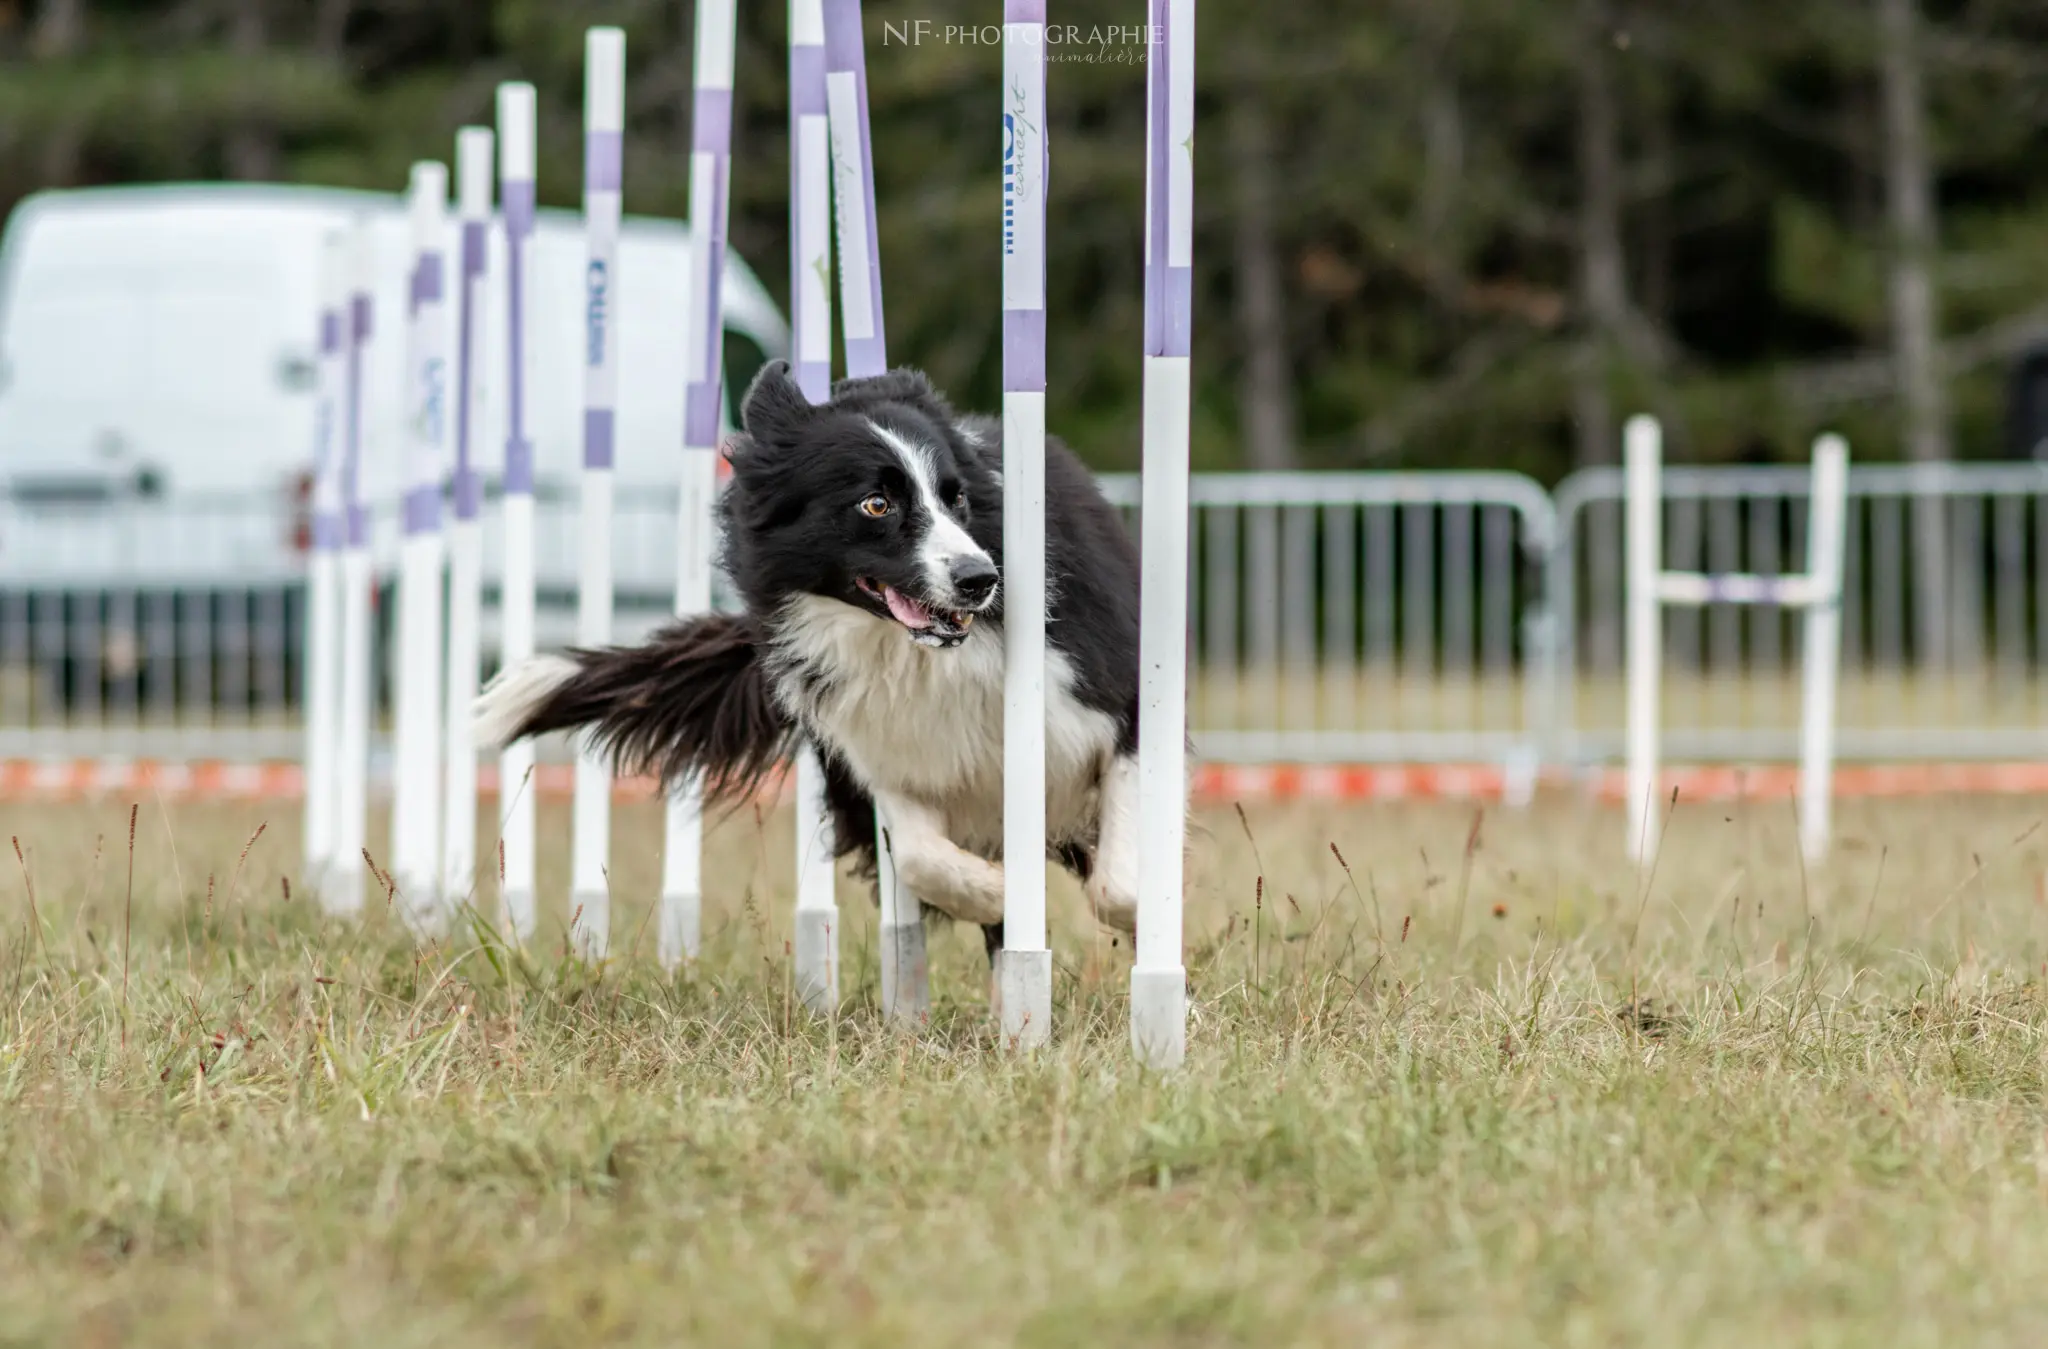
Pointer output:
x,y
604,122
710,177
816,948
515,764
351,808
1024,971
323,569
416,757
853,181
474,148
906,983
1158,979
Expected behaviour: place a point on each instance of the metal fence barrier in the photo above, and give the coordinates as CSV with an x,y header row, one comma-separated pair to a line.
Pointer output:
x,y
1339,617
1335,617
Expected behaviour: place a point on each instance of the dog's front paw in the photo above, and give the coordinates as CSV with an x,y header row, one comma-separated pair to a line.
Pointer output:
x,y
1114,898
955,882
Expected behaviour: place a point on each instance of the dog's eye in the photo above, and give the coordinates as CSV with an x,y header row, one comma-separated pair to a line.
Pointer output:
x,y
874,507
960,499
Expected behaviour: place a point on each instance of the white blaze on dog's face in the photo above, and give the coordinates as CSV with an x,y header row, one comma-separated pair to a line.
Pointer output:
x,y
880,499
958,572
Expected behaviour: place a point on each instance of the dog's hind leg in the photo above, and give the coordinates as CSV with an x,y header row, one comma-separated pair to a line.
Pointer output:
x,y
937,870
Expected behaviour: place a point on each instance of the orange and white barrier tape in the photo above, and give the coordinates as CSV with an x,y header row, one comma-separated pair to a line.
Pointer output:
x,y
212,779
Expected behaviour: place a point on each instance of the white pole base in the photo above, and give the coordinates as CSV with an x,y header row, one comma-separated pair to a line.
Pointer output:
x,y
1159,1017
906,979
1024,988
817,959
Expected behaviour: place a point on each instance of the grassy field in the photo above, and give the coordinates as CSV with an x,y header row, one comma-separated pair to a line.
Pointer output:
x,y
1483,1086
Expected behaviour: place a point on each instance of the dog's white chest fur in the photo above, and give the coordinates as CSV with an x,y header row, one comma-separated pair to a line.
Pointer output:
x,y
928,724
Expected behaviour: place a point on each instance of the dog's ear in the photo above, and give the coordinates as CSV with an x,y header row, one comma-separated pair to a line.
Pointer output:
x,y
774,405
974,446
901,385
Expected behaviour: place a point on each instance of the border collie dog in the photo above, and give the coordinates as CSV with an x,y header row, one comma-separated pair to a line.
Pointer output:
x,y
865,537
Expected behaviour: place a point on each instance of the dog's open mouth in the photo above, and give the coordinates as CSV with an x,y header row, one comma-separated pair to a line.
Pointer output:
x,y
928,626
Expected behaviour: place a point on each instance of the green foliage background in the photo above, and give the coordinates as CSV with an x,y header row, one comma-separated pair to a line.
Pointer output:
x,y
1417,333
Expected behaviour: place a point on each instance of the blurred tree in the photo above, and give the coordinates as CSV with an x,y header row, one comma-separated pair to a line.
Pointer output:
x,y
1265,367
252,140
59,30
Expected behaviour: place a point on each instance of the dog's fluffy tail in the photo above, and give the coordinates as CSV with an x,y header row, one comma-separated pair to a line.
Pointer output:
x,y
693,702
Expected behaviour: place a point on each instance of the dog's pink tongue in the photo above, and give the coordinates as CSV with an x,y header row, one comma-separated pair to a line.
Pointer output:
x,y
908,611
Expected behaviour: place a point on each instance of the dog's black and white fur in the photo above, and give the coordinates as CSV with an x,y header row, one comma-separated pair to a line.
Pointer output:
x,y
865,536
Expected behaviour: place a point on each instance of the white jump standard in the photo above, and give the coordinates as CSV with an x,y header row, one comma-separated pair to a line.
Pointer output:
x,y
1818,592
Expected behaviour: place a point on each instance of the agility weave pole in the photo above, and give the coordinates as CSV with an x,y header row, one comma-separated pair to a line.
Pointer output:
x,y
416,740
906,978
815,949
604,124
323,569
342,889
1818,592
474,148
1024,966
680,927
1158,979
516,598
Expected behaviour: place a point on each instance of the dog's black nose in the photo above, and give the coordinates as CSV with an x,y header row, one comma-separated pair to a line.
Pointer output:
x,y
974,579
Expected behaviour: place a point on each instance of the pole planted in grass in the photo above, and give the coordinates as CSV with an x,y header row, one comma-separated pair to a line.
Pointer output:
x,y
906,983
815,952
345,894
416,788
1158,978
682,880
323,570
516,132
604,122
1024,966
474,149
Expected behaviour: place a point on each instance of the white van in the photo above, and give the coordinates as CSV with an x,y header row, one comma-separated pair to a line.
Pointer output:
x,y
157,379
